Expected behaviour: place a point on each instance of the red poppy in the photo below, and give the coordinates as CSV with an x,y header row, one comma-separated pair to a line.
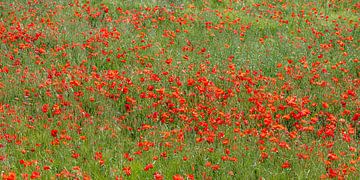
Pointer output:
x,y
286,165
127,170
54,133
148,166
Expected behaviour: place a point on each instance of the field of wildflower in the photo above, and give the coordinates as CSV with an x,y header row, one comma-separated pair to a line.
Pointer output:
x,y
177,89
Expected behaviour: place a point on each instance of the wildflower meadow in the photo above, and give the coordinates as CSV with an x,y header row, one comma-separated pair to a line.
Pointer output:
x,y
179,89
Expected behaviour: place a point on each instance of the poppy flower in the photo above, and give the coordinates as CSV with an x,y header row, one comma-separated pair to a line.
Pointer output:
x,y
286,165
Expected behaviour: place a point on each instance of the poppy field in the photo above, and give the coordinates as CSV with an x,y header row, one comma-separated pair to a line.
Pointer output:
x,y
176,89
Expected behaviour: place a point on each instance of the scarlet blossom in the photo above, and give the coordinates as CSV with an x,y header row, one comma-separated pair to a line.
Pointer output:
x,y
54,133
45,108
9,176
127,170
101,162
169,61
325,105
158,176
149,166
177,177
264,155
35,175
332,157
332,173
356,117
215,167
98,156
2,158
352,149
208,164
286,165
302,156
75,155
127,107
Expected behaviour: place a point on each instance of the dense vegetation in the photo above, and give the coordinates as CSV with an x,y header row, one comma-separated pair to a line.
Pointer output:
x,y
161,89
